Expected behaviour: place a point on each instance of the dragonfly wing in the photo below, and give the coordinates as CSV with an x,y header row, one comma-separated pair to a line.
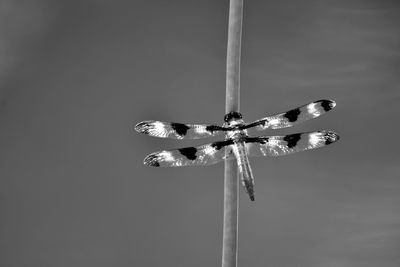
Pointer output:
x,y
178,130
288,144
191,156
294,116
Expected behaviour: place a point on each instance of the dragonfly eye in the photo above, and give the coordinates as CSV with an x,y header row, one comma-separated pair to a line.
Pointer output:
x,y
232,116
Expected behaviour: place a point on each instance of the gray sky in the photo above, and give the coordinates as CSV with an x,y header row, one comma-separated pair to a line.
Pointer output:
x,y
76,75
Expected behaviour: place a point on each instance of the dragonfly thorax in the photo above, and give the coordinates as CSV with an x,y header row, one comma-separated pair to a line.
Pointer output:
x,y
236,134
234,121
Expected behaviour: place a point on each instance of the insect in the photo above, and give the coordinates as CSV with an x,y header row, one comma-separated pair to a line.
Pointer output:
x,y
238,144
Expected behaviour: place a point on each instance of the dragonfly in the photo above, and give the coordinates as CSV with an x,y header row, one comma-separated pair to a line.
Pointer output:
x,y
237,143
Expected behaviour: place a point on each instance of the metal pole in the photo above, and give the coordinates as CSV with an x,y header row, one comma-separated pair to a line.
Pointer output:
x,y
231,181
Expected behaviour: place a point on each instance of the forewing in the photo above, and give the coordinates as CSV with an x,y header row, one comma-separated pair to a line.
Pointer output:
x,y
288,144
191,156
178,130
294,116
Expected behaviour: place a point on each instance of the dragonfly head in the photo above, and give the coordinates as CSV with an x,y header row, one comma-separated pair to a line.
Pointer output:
x,y
233,116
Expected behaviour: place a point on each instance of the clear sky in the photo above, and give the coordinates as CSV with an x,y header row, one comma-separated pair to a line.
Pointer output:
x,y
77,75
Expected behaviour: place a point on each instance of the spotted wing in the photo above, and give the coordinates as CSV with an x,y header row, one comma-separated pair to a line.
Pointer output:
x,y
178,130
294,116
191,156
288,144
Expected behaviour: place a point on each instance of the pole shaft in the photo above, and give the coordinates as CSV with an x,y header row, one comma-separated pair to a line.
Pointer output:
x,y
232,103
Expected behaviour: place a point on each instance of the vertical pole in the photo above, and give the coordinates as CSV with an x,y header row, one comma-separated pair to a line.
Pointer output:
x,y
232,103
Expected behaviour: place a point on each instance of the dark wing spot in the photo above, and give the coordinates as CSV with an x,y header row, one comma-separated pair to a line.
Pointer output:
x,y
151,160
262,123
189,152
292,114
180,128
221,144
327,104
292,139
261,140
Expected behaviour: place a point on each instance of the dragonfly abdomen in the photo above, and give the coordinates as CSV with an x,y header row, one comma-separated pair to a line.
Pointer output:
x,y
246,173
